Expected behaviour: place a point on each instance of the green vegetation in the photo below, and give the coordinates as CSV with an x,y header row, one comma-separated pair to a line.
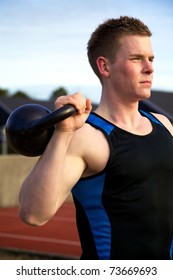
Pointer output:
x,y
19,93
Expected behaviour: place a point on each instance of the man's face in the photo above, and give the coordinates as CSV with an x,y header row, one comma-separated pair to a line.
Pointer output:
x,y
132,72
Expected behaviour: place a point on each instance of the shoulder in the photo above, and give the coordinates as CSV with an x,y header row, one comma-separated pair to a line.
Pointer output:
x,y
165,121
91,145
87,138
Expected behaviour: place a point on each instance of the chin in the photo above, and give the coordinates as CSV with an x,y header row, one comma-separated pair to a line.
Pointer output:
x,y
145,94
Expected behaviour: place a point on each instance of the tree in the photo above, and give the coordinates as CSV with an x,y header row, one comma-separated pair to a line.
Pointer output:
x,y
20,93
4,92
58,92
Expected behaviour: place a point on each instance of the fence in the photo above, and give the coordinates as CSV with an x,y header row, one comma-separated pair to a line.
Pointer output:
x,y
13,170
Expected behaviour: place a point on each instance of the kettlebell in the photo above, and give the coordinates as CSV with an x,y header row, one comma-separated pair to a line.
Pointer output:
x,y
30,127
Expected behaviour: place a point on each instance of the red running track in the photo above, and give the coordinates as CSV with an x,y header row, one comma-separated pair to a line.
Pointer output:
x,y
58,237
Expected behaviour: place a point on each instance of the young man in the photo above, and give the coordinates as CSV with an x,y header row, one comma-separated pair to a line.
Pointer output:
x,y
117,161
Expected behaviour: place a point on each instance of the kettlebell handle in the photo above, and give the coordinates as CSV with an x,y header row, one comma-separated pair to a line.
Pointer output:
x,y
53,117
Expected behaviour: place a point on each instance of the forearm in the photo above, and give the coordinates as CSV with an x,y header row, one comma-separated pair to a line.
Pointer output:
x,y
43,192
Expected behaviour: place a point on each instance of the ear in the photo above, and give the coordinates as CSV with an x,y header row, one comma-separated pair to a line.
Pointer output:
x,y
103,66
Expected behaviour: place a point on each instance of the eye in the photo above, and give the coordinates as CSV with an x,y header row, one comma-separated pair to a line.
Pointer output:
x,y
136,58
151,59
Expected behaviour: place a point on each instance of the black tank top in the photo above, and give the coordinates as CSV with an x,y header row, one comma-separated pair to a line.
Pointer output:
x,y
126,211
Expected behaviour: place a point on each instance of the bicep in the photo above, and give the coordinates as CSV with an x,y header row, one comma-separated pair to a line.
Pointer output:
x,y
73,170
73,167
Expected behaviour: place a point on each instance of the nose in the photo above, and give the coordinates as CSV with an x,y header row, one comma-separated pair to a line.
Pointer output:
x,y
148,66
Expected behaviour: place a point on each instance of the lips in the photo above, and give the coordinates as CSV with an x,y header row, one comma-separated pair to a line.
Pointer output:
x,y
146,83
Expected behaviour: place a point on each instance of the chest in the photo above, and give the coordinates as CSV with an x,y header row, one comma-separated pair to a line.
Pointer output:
x,y
135,155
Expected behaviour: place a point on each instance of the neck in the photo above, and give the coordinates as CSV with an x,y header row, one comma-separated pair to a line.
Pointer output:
x,y
117,110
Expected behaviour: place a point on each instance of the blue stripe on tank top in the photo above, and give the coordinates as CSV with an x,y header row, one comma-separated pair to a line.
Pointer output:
x,y
107,126
151,117
101,123
89,194
171,250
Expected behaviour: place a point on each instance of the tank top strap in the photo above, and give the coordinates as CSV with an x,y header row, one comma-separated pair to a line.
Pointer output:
x,y
100,123
151,117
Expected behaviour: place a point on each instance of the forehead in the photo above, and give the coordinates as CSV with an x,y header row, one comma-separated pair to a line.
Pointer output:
x,y
135,44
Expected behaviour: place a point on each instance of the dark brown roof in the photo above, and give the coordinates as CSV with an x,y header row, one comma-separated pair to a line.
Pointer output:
x,y
11,103
163,100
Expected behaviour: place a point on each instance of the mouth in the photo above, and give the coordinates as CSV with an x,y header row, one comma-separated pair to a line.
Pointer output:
x,y
146,83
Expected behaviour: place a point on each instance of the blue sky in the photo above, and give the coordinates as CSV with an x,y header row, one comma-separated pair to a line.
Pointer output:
x,y
43,42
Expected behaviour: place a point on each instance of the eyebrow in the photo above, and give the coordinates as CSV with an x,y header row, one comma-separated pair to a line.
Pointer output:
x,y
140,55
